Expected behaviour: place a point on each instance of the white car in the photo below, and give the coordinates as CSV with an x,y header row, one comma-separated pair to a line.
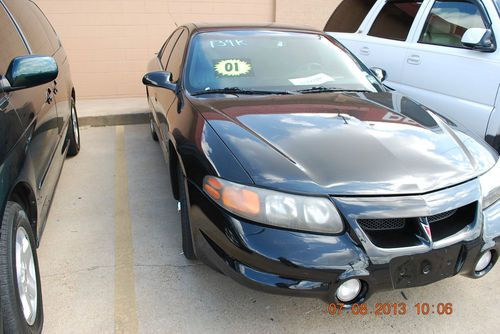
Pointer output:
x,y
442,53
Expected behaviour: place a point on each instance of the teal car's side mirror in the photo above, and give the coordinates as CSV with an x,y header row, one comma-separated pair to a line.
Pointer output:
x,y
30,71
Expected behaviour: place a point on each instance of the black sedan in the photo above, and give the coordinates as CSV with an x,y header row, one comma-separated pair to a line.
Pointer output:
x,y
38,128
298,172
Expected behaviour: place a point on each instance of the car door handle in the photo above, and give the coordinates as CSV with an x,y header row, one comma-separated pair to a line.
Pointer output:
x,y
414,60
50,96
364,50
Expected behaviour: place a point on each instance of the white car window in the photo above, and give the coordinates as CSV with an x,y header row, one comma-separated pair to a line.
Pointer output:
x,y
449,20
395,20
349,15
497,3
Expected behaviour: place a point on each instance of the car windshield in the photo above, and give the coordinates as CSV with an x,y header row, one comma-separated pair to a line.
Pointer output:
x,y
272,61
497,3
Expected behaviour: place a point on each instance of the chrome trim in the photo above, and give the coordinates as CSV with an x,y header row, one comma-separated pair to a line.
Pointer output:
x,y
491,218
412,206
4,100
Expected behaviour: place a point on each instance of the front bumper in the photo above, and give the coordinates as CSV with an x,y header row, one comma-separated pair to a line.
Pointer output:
x,y
303,264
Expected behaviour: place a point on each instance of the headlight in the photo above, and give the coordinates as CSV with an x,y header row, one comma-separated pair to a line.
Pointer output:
x,y
490,186
312,214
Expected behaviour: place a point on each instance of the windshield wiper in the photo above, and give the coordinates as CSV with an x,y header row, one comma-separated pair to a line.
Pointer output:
x,y
322,89
239,91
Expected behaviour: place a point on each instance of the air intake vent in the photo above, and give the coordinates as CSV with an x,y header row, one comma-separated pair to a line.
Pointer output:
x,y
441,216
382,224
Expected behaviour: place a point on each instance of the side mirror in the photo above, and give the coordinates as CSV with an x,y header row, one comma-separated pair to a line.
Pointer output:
x,y
160,79
379,73
30,71
479,39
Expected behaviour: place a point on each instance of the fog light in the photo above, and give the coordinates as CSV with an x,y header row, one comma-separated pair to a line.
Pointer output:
x,y
349,290
483,262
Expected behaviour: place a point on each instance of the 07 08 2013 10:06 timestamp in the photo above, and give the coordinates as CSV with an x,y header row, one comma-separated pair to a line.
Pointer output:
x,y
381,309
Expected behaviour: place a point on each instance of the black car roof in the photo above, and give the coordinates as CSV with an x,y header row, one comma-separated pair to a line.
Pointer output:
x,y
197,27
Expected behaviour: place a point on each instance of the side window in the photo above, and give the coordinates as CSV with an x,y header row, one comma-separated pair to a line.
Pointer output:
x,y
167,48
395,20
349,15
11,43
35,26
448,21
175,61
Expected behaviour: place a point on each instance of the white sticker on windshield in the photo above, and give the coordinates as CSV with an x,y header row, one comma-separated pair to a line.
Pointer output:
x,y
317,79
227,43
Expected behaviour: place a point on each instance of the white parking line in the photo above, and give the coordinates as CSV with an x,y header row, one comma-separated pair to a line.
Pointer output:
x,y
125,302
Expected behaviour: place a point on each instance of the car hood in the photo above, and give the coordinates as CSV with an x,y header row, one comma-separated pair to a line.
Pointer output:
x,y
345,143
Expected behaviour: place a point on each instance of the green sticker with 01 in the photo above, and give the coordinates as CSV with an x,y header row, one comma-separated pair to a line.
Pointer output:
x,y
233,67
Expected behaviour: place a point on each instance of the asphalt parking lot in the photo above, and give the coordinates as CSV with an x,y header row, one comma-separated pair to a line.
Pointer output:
x,y
111,261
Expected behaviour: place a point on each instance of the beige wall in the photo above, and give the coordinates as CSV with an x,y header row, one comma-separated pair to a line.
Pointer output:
x,y
109,42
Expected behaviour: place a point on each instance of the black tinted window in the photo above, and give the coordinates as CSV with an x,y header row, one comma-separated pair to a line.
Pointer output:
x,y
11,44
175,61
395,20
449,20
37,30
349,15
167,48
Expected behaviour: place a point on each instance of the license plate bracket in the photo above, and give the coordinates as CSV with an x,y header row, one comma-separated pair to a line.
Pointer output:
x,y
422,269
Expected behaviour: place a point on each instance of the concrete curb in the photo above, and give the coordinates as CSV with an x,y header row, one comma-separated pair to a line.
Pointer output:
x,y
113,112
114,120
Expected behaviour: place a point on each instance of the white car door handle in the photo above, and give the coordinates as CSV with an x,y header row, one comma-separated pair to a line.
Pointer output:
x,y
414,60
364,50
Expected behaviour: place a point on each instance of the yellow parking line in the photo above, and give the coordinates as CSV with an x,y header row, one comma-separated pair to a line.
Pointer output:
x,y
125,308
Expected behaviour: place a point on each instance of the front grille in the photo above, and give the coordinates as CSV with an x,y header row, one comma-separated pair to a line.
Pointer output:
x,y
441,216
405,232
382,224
399,223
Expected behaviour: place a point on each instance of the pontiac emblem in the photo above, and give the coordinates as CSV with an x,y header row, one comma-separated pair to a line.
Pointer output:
x,y
426,229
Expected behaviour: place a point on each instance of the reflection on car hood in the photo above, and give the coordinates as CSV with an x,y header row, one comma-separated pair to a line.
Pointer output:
x,y
345,144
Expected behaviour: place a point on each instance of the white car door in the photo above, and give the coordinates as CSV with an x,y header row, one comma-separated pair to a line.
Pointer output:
x,y
381,39
442,74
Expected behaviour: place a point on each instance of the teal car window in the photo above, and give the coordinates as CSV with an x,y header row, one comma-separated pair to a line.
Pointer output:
x,y
11,43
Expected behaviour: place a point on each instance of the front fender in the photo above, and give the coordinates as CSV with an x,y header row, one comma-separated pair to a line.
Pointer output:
x,y
201,152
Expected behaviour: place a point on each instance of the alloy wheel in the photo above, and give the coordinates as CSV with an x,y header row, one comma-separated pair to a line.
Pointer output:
x,y
26,277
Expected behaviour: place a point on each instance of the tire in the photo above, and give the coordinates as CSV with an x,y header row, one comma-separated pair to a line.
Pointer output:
x,y
16,231
187,236
73,132
154,135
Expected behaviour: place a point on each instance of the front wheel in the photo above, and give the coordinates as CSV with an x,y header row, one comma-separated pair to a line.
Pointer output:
x,y
20,293
73,132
